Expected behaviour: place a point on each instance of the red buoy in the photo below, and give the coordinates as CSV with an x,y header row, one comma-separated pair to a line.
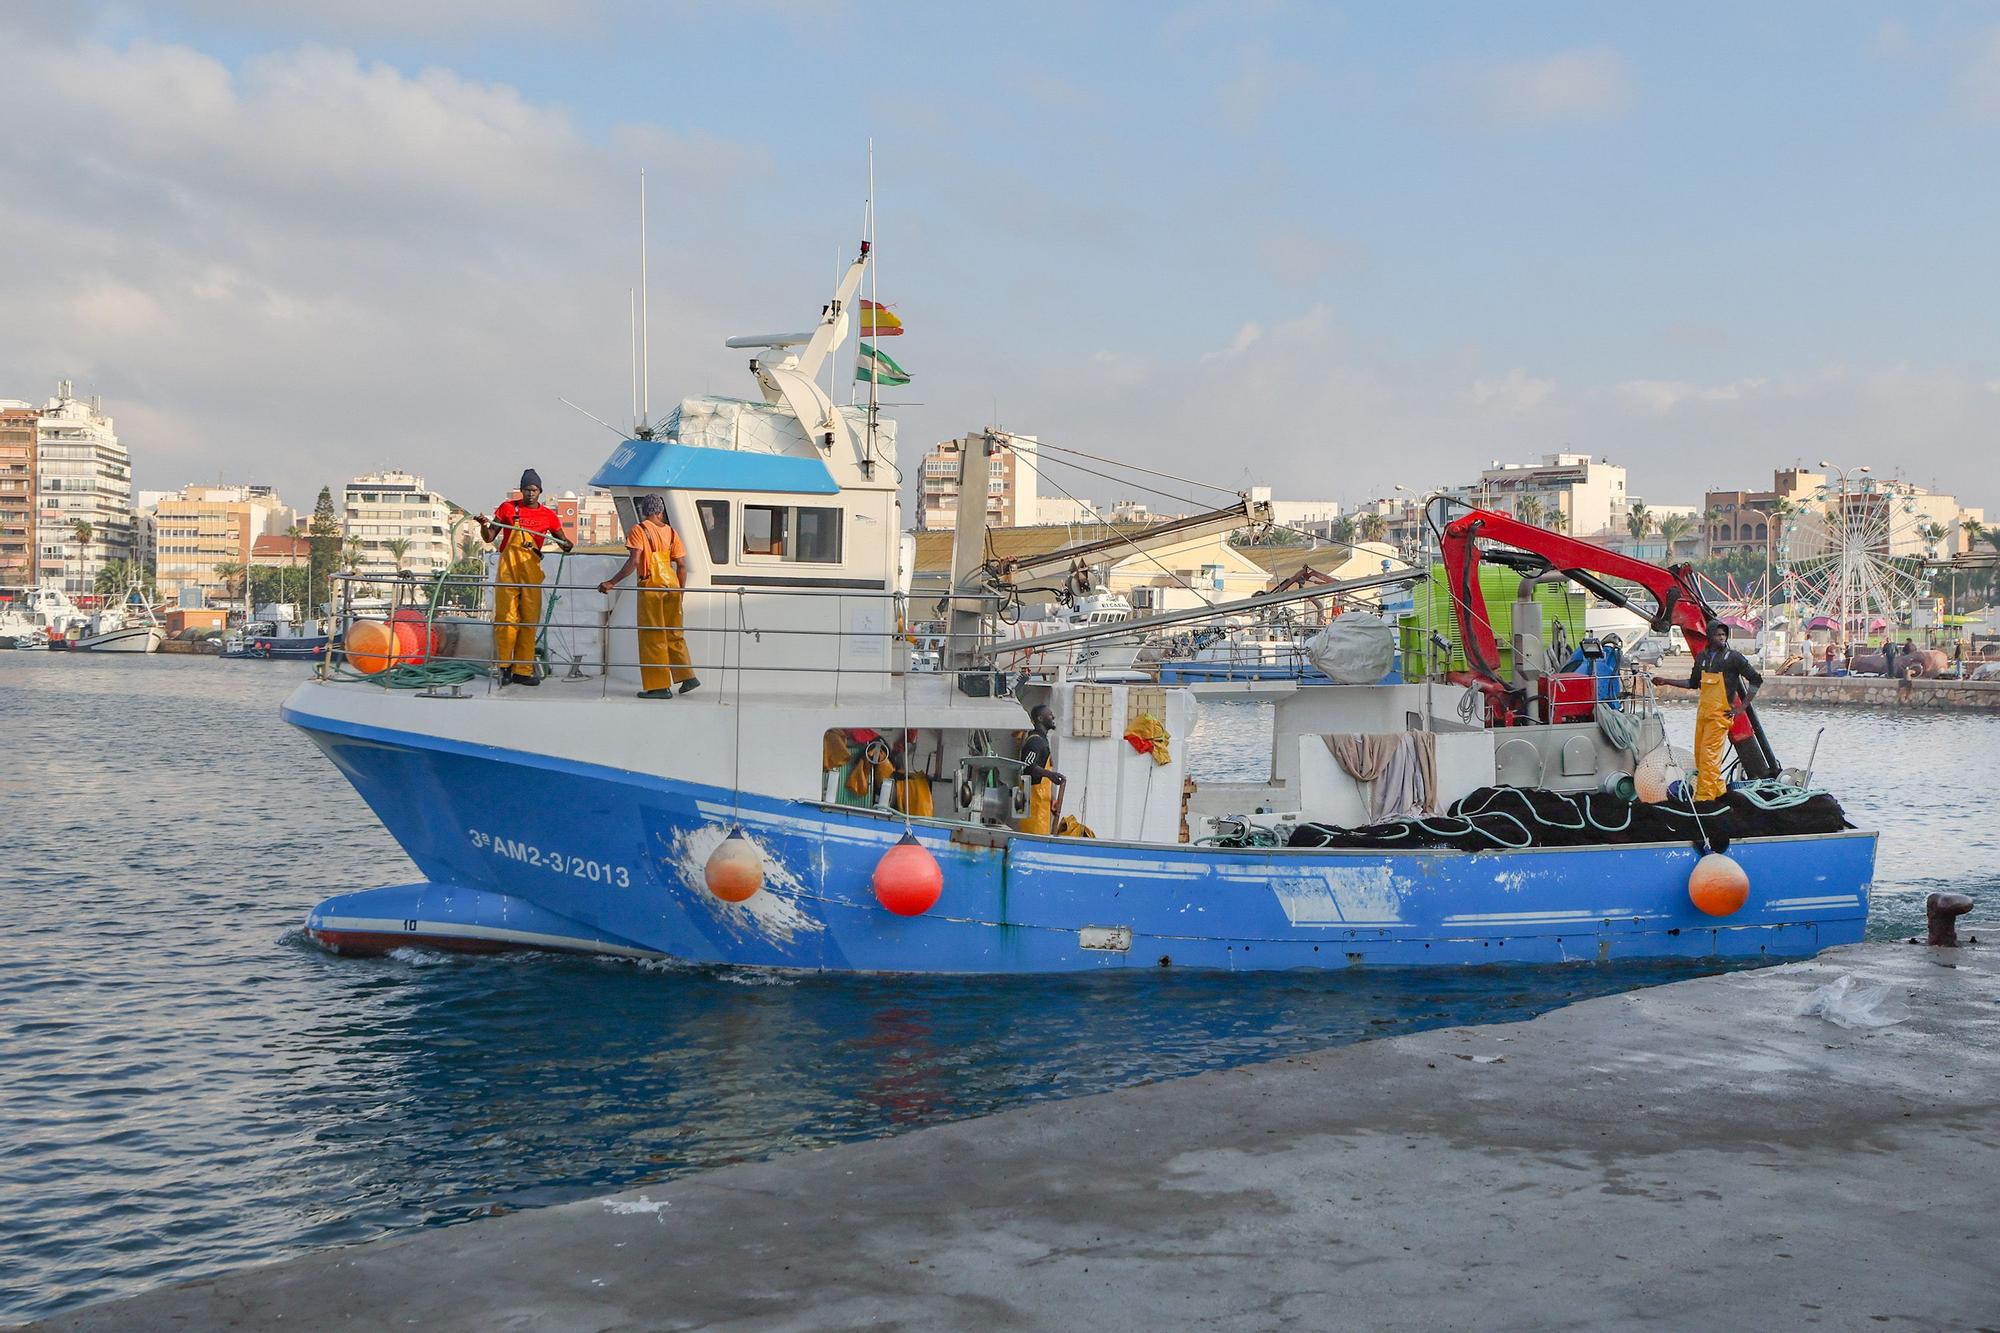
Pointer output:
x,y
908,879
1718,886
735,869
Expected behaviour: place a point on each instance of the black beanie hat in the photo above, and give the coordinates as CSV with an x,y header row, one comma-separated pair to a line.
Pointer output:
x,y
531,478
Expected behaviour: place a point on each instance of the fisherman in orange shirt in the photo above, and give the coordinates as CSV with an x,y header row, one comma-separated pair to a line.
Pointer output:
x,y
656,551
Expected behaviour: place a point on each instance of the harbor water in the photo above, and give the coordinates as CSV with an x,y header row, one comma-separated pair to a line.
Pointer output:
x,y
192,1087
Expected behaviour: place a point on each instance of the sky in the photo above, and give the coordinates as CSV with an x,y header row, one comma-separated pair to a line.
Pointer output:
x,y
1322,248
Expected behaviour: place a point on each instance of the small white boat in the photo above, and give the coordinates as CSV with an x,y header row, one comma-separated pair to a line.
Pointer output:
x,y
130,628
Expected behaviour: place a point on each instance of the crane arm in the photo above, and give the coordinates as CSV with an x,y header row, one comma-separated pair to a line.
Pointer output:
x,y
1675,598
1243,514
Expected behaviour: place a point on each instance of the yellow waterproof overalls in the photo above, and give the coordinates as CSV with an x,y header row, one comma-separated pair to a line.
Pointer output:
x,y
663,649
1041,808
1711,737
517,612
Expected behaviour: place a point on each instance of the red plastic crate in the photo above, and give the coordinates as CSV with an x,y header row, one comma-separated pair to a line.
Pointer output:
x,y
1569,698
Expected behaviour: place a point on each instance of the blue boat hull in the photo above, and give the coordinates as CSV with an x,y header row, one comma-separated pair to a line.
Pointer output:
x,y
519,850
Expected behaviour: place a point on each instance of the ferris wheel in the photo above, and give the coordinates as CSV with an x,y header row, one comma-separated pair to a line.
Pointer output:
x,y
1857,553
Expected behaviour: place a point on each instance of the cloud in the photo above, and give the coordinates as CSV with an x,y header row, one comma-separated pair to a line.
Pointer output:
x,y
1582,85
1312,407
1978,84
1891,41
1260,79
1515,391
313,265
1298,256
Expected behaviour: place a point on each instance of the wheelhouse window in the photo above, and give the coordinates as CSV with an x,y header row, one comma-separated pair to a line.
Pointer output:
x,y
714,516
793,533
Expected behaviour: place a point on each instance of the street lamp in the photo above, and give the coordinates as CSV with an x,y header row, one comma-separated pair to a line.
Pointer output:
x,y
1842,601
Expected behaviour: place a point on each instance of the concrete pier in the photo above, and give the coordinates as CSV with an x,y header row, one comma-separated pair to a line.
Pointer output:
x,y
1978,696
1697,1154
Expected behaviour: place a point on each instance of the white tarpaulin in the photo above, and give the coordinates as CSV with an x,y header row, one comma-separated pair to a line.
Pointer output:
x,y
1356,649
733,423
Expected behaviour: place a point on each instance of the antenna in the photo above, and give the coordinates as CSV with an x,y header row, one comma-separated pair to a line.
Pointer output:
x,y
594,417
645,322
632,300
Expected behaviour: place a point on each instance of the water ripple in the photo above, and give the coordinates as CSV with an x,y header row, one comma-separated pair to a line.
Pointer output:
x,y
192,1087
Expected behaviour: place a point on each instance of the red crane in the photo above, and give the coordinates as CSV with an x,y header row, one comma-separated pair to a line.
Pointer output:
x,y
1676,601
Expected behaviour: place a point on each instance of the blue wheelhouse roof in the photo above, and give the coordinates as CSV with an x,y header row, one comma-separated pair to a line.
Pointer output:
x,y
671,465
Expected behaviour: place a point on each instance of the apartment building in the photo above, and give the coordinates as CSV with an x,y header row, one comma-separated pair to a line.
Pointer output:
x,y
1011,491
18,422
390,507
199,531
83,473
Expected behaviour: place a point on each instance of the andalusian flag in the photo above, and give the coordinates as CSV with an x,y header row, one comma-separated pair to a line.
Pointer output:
x,y
873,366
878,321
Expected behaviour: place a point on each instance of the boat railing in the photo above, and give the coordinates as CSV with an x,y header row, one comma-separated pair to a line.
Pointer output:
x,y
760,631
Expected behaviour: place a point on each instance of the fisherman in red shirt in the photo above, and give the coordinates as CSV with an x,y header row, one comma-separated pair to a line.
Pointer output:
x,y
520,526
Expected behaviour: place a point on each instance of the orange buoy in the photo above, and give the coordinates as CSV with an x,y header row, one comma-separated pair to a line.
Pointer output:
x,y
370,646
735,869
416,641
1718,885
908,879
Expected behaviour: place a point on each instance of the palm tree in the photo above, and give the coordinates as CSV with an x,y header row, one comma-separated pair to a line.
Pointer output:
x,y
1638,522
1675,528
231,570
119,575
1711,519
398,548
1528,509
351,549
1556,521
80,532
1373,527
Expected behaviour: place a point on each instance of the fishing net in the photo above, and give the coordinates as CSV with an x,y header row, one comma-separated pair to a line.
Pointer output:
x,y
1490,817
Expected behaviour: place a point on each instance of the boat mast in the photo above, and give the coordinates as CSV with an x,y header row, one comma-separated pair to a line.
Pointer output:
x,y
969,591
875,296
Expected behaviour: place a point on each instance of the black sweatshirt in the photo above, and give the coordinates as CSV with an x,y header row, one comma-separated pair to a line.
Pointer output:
x,y
1735,669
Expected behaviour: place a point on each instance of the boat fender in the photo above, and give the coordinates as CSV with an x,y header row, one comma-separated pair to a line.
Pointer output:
x,y
1718,886
908,880
735,869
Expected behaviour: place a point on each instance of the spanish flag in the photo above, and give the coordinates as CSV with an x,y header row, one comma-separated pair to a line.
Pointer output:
x,y
878,321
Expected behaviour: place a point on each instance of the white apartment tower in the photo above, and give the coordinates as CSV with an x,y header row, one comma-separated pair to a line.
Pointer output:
x,y
82,474
1587,492
386,507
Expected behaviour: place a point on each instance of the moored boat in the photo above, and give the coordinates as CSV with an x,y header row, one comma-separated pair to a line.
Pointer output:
x,y
579,817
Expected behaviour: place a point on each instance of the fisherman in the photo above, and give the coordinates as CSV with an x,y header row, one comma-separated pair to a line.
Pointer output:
x,y
913,784
1037,751
520,526
656,551
1727,683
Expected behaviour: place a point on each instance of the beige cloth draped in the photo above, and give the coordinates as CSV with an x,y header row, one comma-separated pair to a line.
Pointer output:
x,y
1401,768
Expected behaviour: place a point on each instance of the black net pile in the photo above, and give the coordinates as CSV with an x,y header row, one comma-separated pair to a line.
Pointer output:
x,y
1491,817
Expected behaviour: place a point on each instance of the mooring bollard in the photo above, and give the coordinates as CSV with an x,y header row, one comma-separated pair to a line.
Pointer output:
x,y
1942,911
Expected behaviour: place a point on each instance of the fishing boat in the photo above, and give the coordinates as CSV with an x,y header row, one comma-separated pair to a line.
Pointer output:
x,y
276,634
772,818
129,627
